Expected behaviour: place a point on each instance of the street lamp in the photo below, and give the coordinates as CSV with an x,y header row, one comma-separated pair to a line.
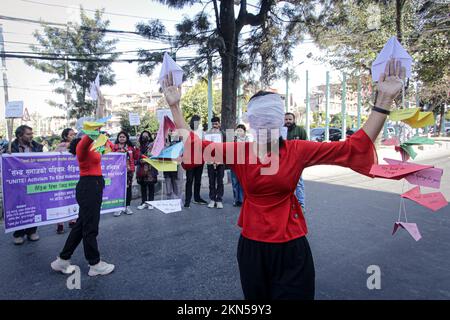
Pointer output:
x,y
288,76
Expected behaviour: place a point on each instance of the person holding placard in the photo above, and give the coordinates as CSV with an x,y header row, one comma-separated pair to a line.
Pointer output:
x,y
274,257
216,171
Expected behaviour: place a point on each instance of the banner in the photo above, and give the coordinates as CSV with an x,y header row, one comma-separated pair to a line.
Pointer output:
x,y
39,188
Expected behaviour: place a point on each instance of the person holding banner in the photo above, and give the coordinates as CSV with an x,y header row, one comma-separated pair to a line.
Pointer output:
x,y
123,144
89,193
274,257
24,143
67,136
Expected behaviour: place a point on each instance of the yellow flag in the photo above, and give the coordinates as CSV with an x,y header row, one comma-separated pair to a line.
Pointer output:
x,y
161,165
422,119
403,114
101,141
91,125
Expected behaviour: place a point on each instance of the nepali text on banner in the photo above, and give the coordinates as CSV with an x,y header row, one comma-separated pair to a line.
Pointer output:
x,y
39,188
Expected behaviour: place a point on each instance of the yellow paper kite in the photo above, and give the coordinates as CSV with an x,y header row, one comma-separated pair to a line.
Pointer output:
x,y
403,114
422,119
161,165
100,141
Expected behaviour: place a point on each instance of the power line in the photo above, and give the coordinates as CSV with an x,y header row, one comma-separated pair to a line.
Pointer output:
x,y
91,10
18,56
8,18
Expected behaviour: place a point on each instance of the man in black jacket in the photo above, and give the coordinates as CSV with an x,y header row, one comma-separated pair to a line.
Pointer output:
x,y
24,143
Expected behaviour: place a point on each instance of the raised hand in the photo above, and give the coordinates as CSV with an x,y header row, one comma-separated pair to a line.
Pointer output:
x,y
171,92
390,83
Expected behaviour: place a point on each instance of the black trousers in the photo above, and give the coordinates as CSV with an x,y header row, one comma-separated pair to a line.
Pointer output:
x,y
150,187
128,201
215,176
193,176
276,271
23,232
89,193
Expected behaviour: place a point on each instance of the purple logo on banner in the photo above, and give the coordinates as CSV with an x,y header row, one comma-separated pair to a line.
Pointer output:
x,y
39,188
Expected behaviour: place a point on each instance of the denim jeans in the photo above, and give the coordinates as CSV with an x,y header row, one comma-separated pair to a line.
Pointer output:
x,y
238,194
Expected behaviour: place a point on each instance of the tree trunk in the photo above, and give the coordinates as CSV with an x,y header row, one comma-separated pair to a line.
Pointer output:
x,y
229,64
441,121
398,19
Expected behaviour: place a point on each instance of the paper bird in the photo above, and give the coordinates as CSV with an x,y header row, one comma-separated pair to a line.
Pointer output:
x,y
412,229
163,130
392,49
420,120
395,171
170,66
403,114
430,177
419,140
160,165
172,152
433,200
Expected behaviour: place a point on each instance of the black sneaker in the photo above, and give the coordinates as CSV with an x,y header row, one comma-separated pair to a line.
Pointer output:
x,y
201,201
187,205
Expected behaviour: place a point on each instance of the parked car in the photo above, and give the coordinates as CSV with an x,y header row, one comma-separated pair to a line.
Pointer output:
x,y
318,134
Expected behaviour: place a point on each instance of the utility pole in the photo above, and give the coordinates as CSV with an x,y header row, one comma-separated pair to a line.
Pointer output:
x,y
327,107
344,105
307,106
286,97
210,96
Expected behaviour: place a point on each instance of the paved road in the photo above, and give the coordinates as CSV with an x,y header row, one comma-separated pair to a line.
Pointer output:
x,y
191,254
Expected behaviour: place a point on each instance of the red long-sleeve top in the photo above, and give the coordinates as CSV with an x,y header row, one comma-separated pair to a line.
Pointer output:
x,y
88,160
271,212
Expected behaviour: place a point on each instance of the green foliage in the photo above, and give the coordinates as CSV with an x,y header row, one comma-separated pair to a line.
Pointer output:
x,y
195,101
85,40
148,122
274,28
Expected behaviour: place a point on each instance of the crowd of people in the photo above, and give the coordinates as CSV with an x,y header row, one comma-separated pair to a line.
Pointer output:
x,y
147,176
273,254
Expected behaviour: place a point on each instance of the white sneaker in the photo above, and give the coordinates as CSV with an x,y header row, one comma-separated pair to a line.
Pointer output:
x,y
128,211
63,266
102,268
18,240
142,206
219,205
33,237
211,204
117,213
149,206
